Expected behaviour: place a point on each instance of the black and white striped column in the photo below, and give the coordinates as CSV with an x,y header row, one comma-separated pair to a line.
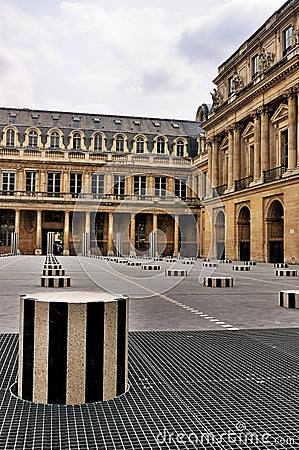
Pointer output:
x,y
73,347
14,243
85,244
50,242
288,299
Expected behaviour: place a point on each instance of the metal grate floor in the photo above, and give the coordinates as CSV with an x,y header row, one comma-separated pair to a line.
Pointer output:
x,y
195,389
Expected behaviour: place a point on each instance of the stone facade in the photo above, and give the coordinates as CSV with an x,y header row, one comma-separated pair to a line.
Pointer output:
x,y
252,146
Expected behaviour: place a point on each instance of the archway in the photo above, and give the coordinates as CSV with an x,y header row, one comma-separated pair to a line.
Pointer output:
x,y
220,235
244,234
275,231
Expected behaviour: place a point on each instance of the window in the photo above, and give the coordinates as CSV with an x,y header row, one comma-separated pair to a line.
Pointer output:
x,y
97,145
7,226
204,184
287,40
230,86
180,188
140,185
8,182
32,138
285,145
97,184
180,148
140,145
75,183
31,177
76,141
54,182
255,66
160,145
10,138
119,143
119,184
54,139
160,186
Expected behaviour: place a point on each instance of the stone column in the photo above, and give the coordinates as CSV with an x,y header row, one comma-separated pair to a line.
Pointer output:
x,y
17,221
155,222
151,184
230,174
20,181
220,168
110,235
297,119
176,236
257,147
132,235
66,182
66,234
237,152
38,244
265,139
210,168
292,151
215,163
43,181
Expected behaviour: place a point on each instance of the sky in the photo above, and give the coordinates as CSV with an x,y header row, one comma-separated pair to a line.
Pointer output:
x,y
120,57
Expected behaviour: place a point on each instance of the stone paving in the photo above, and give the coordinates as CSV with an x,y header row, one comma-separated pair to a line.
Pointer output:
x,y
158,302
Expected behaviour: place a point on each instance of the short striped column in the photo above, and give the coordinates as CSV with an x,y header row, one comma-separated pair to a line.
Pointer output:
x,y
221,282
288,299
241,268
176,273
210,264
225,261
134,263
188,262
286,273
150,267
55,281
280,266
73,347
249,263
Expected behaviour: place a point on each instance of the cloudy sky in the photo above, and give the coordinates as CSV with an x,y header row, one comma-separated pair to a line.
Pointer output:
x,y
128,57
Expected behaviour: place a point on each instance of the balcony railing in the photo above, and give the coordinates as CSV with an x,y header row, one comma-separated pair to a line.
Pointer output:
x,y
273,174
243,183
219,190
111,199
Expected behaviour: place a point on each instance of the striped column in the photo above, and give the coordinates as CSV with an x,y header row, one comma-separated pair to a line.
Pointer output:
x,y
119,244
14,243
73,347
221,282
85,244
288,299
50,242
153,244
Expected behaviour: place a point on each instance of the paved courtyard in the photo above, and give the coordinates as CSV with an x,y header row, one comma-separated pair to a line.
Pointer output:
x,y
209,368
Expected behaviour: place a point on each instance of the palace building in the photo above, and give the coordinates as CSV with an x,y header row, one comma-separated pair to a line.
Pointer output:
x,y
72,173
224,185
252,147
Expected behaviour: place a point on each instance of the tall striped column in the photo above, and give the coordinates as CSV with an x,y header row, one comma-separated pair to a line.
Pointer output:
x,y
50,243
73,347
14,243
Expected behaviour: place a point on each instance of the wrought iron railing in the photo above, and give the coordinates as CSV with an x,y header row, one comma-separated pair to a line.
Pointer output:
x,y
243,183
273,174
219,190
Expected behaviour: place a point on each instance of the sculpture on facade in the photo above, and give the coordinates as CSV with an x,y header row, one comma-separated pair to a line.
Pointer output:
x,y
217,98
265,60
237,82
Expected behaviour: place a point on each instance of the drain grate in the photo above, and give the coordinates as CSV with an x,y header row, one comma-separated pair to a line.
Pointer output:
x,y
195,389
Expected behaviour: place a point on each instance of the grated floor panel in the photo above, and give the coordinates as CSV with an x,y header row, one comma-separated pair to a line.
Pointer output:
x,y
195,389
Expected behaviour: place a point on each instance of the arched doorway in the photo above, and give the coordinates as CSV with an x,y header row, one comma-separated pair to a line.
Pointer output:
x,y
244,234
275,231
220,235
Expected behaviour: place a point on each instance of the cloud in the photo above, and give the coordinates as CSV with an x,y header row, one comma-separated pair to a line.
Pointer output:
x,y
144,58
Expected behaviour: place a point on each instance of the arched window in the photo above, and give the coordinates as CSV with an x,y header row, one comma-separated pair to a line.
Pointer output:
x,y
140,145
180,148
120,143
160,145
54,139
32,138
98,140
77,141
10,137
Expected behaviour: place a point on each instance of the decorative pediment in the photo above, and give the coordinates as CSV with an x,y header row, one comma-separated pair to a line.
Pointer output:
x,y
281,113
249,130
223,143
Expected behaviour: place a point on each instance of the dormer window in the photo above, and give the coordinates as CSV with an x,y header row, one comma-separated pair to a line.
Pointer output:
x,y
180,148
140,145
76,141
32,138
10,138
160,145
119,143
98,142
54,140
